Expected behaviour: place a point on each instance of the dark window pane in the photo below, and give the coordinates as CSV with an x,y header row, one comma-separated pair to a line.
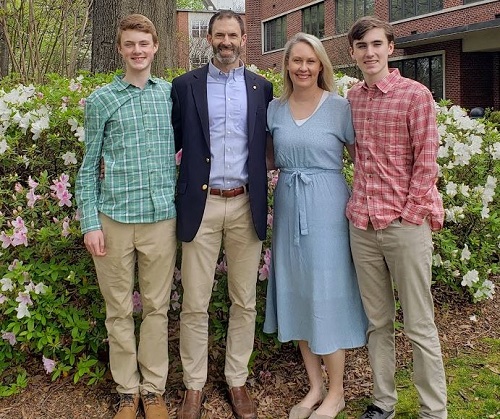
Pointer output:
x,y
396,9
423,7
409,69
437,77
423,75
426,70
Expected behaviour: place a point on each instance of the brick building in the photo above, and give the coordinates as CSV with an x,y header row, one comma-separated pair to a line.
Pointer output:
x,y
452,46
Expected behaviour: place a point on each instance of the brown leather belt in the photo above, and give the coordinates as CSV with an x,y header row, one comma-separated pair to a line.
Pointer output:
x,y
229,193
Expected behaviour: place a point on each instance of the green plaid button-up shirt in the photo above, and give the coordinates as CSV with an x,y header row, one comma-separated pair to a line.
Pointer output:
x,y
131,130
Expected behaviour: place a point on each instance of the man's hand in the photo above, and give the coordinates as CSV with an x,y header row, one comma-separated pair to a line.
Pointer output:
x,y
101,170
94,242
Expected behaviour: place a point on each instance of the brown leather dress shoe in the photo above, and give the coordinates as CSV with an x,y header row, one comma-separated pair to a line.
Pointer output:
x,y
191,405
242,403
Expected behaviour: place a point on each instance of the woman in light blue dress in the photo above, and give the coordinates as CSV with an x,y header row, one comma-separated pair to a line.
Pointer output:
x,y
312,295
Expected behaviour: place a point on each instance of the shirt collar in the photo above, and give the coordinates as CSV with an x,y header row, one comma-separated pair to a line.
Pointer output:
x,y
388,82
122,84
236,73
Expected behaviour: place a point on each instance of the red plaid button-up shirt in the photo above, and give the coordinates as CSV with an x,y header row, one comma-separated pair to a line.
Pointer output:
x,y
396,149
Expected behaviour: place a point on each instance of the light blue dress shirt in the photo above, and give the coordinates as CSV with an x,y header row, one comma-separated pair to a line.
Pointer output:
x,y
227,113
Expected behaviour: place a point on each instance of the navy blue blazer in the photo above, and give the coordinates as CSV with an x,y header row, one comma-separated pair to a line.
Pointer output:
x,y
192,135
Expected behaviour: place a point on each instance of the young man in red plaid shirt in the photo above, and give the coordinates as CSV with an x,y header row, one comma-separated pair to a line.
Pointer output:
x,y
394,207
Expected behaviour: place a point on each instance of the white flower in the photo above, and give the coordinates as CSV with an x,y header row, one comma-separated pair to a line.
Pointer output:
x,y
69,158
470,278
80,134
7,284
485,213
475,144
465,253
39,125
464,190
3,146
40,288
451,189
22,311
437,260
495,151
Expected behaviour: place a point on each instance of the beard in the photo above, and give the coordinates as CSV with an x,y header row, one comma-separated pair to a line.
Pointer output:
x,y
228,59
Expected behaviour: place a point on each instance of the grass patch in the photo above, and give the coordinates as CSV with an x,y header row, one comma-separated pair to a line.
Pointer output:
x,y
473,386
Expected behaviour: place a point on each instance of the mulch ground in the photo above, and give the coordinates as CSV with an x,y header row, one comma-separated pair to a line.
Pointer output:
x,y
277,382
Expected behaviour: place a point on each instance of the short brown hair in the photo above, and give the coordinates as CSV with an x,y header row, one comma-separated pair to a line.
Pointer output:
x,y
226,14
136,22
366,23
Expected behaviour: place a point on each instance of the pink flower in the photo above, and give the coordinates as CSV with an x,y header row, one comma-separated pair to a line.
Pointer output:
x,y
3,298
174,301
6,240
222,266
32,197
60,190
65,228
10,337
31,183
15,263
178,157
177,274
264,270
48,364
136,302
81,102
20,237
18,187
24,298
65,198
270,220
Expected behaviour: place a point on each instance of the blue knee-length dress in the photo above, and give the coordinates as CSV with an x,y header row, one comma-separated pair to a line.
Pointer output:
x,y
312,292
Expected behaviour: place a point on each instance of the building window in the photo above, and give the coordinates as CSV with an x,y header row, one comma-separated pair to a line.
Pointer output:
x,y
198,60
199,29
348,11
313,20
426,70
402,9
274,34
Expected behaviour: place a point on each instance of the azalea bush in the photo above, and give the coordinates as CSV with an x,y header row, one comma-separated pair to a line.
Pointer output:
x,y
51,310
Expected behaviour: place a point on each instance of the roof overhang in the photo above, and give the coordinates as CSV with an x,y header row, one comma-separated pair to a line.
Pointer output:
x,y
476,37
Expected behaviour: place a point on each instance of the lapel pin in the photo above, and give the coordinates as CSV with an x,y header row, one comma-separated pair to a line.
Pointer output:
x,y
254,87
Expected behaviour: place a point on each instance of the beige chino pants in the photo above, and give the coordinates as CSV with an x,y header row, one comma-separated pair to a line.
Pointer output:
x,y
402,254
230,220
153,247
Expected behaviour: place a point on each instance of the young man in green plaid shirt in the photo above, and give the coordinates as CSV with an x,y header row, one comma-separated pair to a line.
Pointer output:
x,y
128,216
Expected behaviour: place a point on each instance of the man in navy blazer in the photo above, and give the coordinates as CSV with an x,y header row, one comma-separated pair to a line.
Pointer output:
x,y
219,119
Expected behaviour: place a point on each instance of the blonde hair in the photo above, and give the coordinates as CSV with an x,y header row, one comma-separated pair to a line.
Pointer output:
x,y
325,78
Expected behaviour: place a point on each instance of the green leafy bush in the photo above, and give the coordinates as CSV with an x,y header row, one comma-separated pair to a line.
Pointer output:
x,y
50,306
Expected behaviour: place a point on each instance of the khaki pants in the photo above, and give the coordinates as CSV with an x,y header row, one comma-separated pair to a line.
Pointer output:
x,y
153,246
403,253
229,219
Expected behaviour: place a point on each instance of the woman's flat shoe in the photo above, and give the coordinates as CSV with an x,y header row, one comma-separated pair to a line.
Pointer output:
x,y
300,412
339,409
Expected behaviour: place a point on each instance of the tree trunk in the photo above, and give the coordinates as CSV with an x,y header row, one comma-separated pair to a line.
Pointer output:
x,y
4,50
106,14
105,57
